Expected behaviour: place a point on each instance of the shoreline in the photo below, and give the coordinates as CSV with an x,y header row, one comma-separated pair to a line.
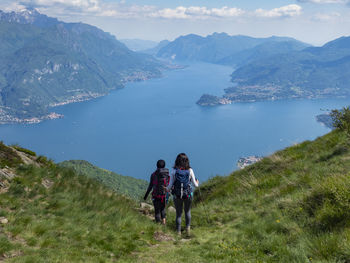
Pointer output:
x,y
6,118
34,120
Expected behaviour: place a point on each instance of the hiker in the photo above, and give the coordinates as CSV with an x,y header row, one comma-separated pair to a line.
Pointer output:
x,y
182,181
158,182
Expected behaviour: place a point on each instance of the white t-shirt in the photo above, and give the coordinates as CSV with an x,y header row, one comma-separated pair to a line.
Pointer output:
x,y
172,178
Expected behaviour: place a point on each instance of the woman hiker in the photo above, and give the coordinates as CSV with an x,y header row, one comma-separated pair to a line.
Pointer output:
x,y
182,181
158,181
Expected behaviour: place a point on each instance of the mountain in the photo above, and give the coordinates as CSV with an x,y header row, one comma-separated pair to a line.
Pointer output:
x,y
139,44
229,50
129,186
314,72
29,16
153,51
292,206
45,62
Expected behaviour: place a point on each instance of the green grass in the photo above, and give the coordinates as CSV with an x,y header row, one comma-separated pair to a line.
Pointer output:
x,y
293,206
129,186
77,219
8,157
24,150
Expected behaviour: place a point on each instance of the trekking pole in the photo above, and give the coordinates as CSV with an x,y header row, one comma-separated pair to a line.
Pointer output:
x,y
205,210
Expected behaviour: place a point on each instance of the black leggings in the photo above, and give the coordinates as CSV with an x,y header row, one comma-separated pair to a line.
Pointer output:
x,y
179,205
159,209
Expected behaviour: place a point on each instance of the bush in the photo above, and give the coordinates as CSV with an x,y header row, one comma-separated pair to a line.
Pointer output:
x,y
341,119
329,204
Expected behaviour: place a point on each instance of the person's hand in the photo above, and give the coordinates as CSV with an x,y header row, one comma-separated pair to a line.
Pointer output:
x,y
197,181
165,188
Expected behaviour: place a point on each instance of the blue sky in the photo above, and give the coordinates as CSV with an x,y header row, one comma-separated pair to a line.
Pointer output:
x,y
312,21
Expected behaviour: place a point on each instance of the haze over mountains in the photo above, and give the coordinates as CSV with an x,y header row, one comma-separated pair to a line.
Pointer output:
x,y
268,68
220,48
47,62
310,73
139,44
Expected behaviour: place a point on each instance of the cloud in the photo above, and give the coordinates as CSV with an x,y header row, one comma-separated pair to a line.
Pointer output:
x,y
325,1
284,11
196,12
122,10
14,7
324,17
87,6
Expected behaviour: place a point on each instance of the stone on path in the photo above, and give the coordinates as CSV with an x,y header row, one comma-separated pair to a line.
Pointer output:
x,y
171,209
3,220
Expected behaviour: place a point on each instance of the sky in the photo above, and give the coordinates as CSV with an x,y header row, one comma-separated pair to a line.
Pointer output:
x,y
312,21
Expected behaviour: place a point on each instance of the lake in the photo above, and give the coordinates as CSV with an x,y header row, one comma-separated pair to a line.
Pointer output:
x,y
130,129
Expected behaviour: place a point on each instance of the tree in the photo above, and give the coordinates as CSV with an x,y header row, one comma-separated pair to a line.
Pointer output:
x,y
341,119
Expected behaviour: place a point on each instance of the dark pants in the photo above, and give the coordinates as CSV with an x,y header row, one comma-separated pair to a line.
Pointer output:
x,y
179,205
159,209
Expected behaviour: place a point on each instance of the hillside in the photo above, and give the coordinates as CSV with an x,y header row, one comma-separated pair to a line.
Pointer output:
x,y
51,214
153,51
292,206
314,72
220,48
129,186
46,62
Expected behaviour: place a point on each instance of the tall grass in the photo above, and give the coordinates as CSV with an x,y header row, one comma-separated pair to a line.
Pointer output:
x,y
75,220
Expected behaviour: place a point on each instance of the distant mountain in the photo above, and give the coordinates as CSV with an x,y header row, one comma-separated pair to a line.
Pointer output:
x,y
45,62
153,51
28,16
138,44
314,72
224,49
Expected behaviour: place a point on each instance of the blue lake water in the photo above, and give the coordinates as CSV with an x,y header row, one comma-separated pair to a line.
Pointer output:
x,y
130,129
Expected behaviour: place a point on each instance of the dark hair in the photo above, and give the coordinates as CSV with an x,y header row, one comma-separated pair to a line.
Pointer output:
x,y
160,164
182,162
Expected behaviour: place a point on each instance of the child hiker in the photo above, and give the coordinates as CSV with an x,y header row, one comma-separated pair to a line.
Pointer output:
x,y
183,180
158,182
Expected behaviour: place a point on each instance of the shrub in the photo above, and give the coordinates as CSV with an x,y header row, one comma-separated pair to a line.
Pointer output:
x,y
329,204
341,119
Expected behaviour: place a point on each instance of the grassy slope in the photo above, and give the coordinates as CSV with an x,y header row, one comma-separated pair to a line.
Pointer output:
x,y
74,220
134,188
293,206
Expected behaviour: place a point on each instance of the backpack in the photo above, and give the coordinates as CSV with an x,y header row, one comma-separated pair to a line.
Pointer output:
x,y
160,179
182,184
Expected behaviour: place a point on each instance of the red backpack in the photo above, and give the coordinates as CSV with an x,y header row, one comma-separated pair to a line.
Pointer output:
x,y
159,181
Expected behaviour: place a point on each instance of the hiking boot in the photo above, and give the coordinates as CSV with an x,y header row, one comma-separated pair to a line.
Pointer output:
x,y
188,231
164,221
178,233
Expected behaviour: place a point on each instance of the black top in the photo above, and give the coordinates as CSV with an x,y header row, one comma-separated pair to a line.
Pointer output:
x,y
151,180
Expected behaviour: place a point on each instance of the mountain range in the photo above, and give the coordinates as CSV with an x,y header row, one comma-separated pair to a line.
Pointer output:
x,y
221,48
314,72
268,68
45,62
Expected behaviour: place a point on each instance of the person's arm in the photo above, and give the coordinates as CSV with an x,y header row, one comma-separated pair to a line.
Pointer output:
x,y
195,182
172,174
150,186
